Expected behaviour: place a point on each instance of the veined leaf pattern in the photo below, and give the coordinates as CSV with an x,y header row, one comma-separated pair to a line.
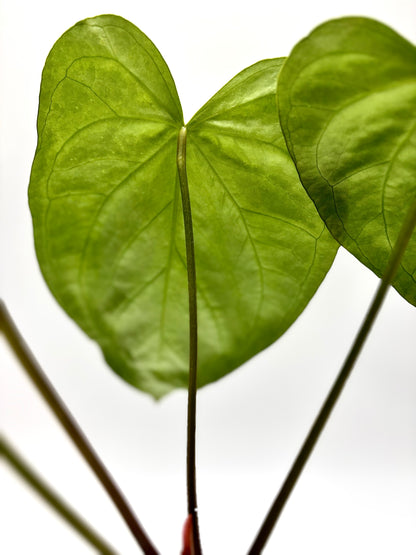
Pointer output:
x,y
347,97
107,213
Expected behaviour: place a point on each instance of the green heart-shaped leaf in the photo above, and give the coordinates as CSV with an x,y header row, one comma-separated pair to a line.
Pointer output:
x,y
347,98
107,213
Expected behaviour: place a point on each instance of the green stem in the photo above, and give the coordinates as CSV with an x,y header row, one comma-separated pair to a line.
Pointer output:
x,y
193,338
56,404
319,424
56,502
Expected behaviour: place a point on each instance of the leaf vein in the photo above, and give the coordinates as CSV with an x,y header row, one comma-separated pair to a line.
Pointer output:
x,y
93,92
396,153
81,270
127,301
246,227
134,237
280,219
151,57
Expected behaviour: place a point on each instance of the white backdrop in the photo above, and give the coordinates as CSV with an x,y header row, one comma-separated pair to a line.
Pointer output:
x,y
357,494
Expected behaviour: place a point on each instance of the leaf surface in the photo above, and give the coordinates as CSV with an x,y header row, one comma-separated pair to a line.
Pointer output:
x,y
261,248
347,99
107,214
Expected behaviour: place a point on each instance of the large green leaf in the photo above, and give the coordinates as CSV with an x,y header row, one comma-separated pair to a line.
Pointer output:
x,y
347,98
107,212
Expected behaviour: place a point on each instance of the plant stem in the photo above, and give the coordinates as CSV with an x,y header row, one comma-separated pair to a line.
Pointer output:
x,y
193,338
319,424
56,502
67,420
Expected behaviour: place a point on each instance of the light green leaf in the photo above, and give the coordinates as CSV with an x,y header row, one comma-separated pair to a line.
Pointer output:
x,y
107,212
261,249
347,98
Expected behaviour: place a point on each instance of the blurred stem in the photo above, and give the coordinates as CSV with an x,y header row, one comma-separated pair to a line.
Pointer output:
x,y
322,418
54,500
58,407
193,338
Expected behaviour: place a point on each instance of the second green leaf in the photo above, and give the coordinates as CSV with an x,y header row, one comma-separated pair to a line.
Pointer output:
x,y
347,98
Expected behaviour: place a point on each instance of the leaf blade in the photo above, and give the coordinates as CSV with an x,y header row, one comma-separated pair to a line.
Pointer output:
x,y
102,150
347,96
260,221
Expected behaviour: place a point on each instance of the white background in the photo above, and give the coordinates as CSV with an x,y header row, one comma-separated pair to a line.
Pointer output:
x,y
357,494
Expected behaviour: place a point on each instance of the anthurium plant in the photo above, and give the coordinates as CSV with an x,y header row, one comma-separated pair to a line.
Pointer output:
x,y
183,249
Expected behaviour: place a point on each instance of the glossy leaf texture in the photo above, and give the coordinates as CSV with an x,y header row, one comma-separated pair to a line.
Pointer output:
x,y
261,248
107,214
347,101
